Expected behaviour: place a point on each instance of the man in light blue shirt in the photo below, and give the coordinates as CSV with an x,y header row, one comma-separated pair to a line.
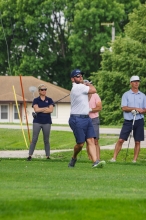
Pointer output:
x,y
132,100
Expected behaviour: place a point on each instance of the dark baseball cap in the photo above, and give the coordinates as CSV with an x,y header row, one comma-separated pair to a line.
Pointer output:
x,y
75,73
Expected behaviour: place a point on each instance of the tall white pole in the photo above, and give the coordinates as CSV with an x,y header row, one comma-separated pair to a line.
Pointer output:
x,y
113,33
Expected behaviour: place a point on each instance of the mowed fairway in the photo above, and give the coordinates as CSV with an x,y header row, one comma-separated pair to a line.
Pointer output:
x,y
48,189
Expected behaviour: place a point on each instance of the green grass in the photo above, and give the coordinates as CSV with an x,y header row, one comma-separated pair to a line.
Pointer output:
x,y
48,189
43,189
64,125
12,139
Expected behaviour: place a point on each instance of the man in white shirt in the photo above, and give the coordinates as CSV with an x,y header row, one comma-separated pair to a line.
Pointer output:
x,y
79,120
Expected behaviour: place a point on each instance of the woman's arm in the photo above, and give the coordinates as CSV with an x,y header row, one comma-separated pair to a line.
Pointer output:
x,y
48,109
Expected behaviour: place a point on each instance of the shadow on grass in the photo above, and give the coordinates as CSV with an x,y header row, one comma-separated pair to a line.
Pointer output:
x,y
73,209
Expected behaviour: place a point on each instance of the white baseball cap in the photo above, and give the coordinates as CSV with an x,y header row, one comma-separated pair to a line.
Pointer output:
x,y
134,78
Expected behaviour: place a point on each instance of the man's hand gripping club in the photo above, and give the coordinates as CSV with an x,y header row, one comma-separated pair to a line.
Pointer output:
x,y
134,112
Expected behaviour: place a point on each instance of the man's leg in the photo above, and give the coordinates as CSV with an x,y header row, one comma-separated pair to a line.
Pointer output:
x,y
118,147
97,149
124,134
92,149
138,133
92,152
77,149
136,150
87,149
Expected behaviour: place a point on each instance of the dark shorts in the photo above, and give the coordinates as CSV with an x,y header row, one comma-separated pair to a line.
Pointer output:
x,y
82,128
138,130
96,123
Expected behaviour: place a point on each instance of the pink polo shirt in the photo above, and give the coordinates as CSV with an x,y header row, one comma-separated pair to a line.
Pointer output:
x,y
92,104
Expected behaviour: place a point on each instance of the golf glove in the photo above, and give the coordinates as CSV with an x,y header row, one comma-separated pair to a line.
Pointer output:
x,y
134,112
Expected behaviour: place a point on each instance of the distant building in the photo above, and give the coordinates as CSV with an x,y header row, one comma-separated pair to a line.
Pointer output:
x,y
8,109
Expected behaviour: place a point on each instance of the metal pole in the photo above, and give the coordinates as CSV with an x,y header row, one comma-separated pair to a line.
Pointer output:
x,y
113,29
113,33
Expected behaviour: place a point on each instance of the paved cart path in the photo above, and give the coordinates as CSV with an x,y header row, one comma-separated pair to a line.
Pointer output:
x,y
41,153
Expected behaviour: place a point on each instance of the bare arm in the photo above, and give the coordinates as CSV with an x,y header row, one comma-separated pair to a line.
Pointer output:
x,y
48,109
92,89
129,109
98,107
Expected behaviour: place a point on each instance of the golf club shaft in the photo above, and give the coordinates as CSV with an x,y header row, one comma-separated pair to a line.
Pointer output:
x,y
130,136
61,99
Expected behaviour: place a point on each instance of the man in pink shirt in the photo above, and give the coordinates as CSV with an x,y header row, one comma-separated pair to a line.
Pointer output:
x,y
95,106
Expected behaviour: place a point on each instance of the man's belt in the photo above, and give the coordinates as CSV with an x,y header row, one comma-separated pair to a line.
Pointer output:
x,y
132,119
81,116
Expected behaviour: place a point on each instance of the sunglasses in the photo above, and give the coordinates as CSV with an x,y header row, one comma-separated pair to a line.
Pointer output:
x,y
43,89
78,76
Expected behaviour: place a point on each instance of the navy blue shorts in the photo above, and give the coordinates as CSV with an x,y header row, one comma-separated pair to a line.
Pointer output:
x,y
82,128
138,130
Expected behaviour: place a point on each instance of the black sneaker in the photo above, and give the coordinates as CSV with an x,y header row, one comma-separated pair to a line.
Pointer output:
x,y
72,162
48,158
29,158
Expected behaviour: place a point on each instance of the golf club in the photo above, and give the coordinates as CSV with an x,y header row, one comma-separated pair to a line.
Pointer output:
x,y
134,112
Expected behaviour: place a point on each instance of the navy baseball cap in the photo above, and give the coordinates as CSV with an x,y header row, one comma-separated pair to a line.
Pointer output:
x,y
75,73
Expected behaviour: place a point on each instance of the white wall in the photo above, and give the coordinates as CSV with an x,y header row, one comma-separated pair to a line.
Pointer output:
x,y
29,111
63,113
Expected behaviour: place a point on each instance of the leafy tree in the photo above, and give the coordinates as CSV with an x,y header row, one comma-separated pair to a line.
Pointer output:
x,y
136,29
88,35
128,8
36,37
128,57
49,38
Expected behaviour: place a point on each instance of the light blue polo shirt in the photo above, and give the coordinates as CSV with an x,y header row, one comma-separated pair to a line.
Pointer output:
x,y
135,100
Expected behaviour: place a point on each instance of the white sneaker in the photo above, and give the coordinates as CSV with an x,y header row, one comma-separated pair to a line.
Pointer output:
x,y
112,160
99,164
133,161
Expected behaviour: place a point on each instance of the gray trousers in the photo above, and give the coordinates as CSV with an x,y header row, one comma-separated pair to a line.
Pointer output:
x,y
46,134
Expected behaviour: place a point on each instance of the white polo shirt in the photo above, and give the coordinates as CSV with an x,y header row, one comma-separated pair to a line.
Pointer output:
x,y
79,99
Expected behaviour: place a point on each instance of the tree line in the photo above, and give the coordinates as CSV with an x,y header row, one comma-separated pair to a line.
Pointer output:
x,y
49,38
128,58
